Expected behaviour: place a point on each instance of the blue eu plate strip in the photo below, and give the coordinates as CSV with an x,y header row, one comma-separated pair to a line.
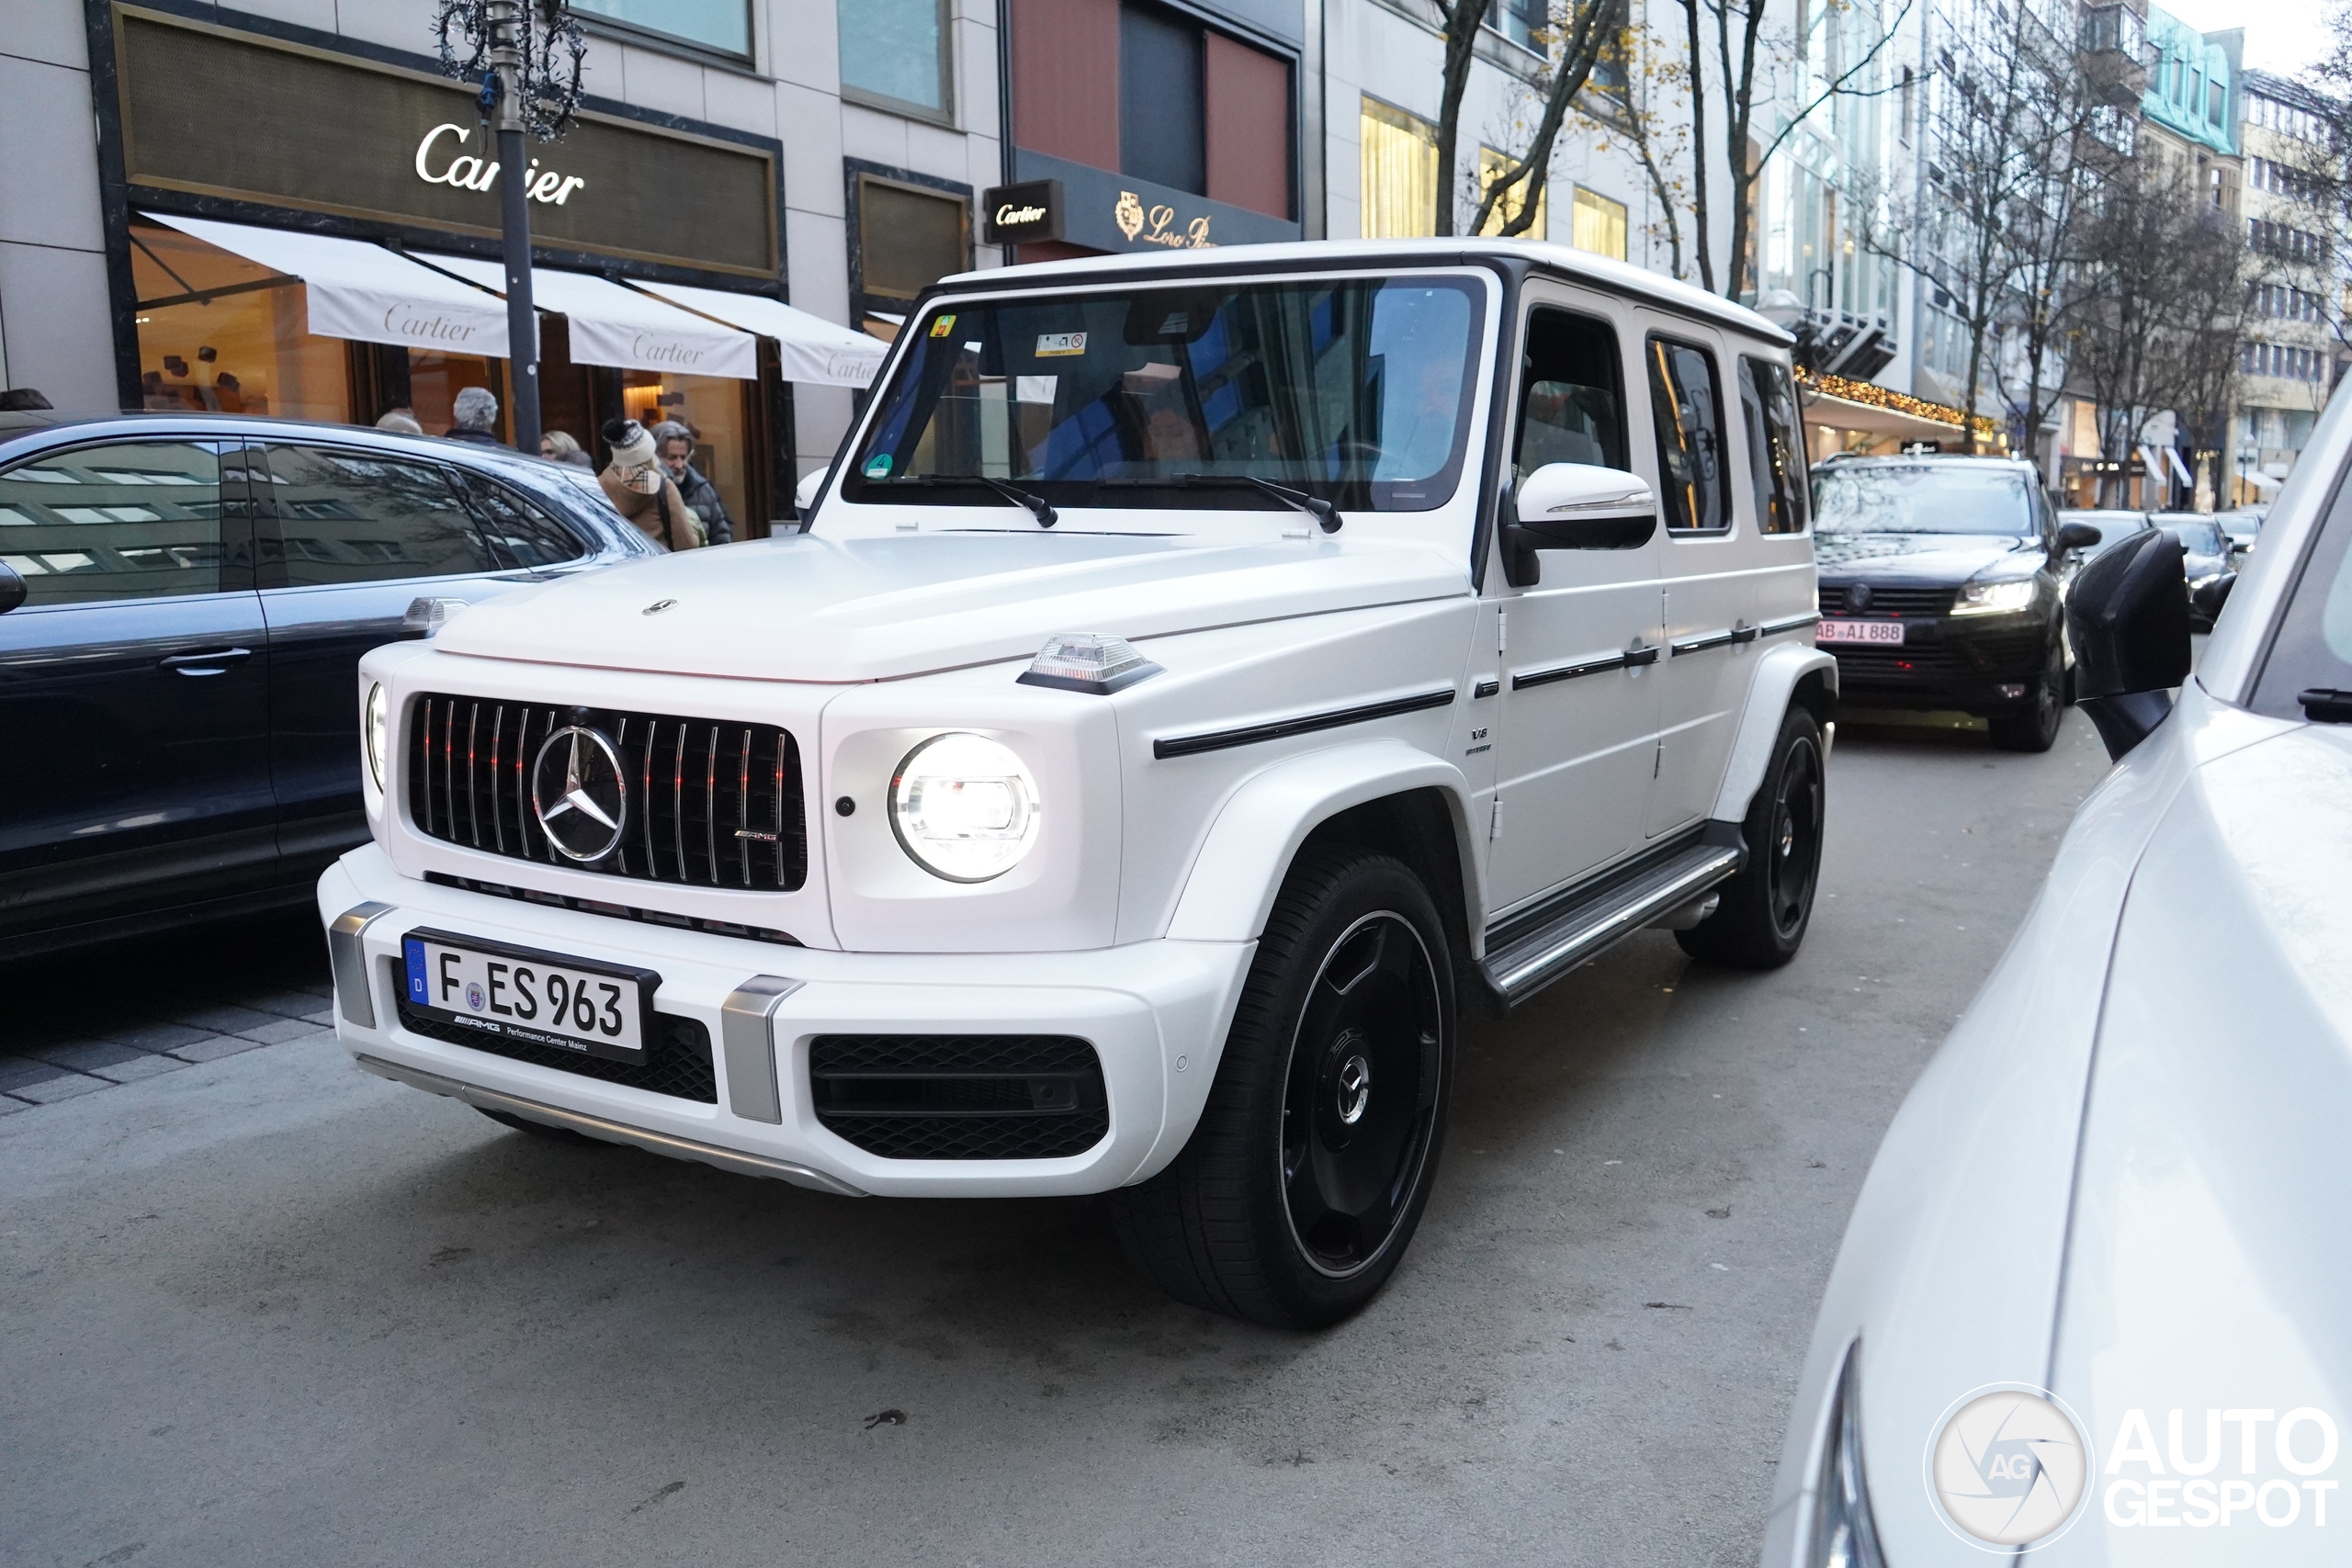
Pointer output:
x,y
418,992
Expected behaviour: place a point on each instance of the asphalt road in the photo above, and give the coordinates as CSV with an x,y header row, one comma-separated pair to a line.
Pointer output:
x,y
257,1308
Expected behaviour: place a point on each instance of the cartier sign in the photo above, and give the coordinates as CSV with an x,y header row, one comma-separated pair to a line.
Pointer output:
x,y
216,112
1014,215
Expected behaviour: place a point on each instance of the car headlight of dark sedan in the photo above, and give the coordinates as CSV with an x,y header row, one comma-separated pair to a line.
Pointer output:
x,y
1844,1533
2001,598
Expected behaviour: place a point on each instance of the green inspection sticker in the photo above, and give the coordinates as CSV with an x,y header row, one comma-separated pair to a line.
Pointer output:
x,y
879,466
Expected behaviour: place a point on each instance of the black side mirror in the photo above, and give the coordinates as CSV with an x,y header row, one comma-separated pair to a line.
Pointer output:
x,y
2210,597
2130,621
2077,537
12,588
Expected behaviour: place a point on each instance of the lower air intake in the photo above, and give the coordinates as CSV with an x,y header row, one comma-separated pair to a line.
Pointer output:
x,y
677,1056
960,1096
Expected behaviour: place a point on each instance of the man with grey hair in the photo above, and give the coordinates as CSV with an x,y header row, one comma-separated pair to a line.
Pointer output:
x,y
675,442
474,416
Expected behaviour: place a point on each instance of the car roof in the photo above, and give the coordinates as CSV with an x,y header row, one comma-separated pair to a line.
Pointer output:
x,y
225,426
1921,460
1583,266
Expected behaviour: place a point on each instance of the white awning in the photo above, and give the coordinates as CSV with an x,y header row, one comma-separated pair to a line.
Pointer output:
x,y
810,347
2172,455
612,325
364,291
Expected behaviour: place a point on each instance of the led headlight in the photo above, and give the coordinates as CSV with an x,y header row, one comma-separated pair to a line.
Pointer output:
x,y
963,807
373,726
1845,1535
1995,598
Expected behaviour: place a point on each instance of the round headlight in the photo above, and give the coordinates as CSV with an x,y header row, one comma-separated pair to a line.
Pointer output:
x,y
373,727
963,807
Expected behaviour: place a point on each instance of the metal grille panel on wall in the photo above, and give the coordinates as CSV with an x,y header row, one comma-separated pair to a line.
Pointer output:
x,y
214,112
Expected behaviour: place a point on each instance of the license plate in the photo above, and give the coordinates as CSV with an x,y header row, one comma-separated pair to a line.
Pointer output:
x,y
1885,632
522,994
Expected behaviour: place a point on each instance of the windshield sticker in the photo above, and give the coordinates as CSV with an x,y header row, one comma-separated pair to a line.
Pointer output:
x,y
942,326
877,467
1034,389
1057,346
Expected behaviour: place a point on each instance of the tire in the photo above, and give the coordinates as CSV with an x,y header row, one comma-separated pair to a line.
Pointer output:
x,y
2034,726
1761,920
1307,1173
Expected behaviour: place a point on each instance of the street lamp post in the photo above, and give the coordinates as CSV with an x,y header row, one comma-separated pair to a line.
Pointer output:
x,y
527,55
506,83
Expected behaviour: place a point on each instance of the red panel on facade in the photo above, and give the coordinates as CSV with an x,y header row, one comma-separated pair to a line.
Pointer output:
x,y
1065,79
1248,95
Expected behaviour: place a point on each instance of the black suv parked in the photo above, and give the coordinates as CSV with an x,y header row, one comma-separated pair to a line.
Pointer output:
x,y
1942,588
187,598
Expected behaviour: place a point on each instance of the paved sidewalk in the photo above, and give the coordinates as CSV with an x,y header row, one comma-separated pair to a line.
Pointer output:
x,y
84,1024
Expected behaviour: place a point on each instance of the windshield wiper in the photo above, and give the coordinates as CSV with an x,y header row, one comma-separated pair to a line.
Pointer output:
x,y
1322,511
1036,506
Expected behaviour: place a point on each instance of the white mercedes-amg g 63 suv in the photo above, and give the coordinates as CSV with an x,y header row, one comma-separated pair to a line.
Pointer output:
x,y
1197,674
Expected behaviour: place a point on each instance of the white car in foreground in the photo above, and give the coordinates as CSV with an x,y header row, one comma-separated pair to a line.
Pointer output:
x,y
2095,1303
1200,670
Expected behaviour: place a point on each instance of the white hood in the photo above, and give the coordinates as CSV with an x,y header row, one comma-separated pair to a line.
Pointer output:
x,y
803,607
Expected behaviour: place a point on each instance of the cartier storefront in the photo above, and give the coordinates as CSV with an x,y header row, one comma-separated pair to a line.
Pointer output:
x,y
312,232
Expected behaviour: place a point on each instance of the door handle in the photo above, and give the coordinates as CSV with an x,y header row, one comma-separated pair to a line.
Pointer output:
x,y
214,663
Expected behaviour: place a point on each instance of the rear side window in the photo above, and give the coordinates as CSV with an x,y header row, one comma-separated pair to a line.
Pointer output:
x,y
139,520
1571,402
1686,400
1775,446
520,531
351,516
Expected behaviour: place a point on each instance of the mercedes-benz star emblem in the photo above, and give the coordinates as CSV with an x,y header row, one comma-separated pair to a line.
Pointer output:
x,y
1355,1090
580,793
1858,597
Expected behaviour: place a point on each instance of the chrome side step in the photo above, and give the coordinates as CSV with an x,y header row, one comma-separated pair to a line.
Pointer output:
x,y
1586,924
610,1132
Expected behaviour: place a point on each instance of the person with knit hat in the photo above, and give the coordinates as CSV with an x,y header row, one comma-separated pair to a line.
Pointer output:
x,y
640,490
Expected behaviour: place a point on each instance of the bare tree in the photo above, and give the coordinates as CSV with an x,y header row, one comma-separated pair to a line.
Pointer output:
x,y
1640,108
1584,29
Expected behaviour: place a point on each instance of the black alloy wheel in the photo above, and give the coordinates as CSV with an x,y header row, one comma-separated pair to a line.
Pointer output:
x,y
1761,920
1311,1165
2032,725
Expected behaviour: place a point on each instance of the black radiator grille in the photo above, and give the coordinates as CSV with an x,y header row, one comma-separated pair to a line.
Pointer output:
x,y
677,1055
711,803
1888,600
960,1096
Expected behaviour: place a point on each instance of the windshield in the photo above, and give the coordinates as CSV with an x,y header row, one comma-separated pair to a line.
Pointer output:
x,y
1354,390
1925,498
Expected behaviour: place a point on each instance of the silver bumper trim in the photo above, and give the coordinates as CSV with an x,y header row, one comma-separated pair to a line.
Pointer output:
x,y
746,1035
611,1131
346,956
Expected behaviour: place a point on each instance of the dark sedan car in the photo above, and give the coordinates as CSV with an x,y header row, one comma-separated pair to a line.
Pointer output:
x,y
1942,582
187,598
2207,552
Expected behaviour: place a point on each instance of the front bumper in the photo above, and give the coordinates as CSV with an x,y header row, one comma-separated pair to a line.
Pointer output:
x,y
1957,662
1156,1013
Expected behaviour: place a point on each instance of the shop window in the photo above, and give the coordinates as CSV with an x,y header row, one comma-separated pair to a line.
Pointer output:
x,y
1399,154
905,236
360,517
1492,166
219,333
1687,405
722,25
713,409
897,53
1160,99
1599,224
140,520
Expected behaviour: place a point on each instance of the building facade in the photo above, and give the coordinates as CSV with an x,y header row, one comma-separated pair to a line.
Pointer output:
x,y
2288,369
